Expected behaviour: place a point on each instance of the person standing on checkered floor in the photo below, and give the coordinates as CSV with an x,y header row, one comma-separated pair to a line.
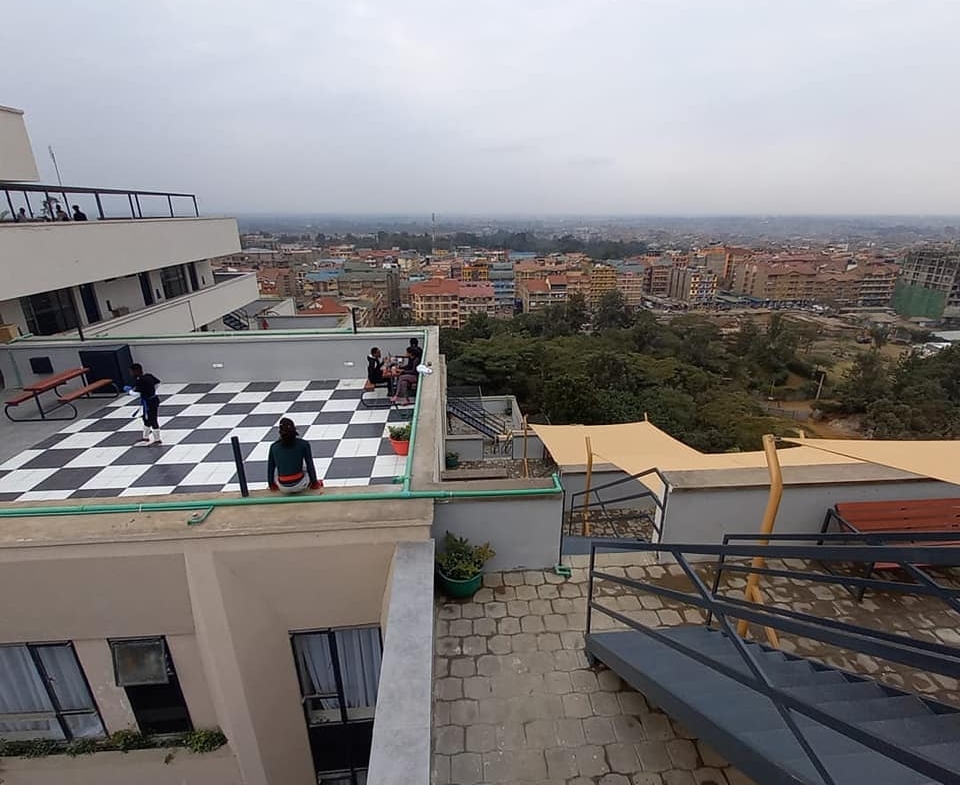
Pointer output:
x,y
146,385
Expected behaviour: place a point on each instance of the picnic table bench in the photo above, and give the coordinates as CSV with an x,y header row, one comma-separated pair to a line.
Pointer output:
x,y
907,515
64,399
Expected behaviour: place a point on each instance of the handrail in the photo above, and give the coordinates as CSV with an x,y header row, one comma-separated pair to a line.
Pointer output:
x,y
602,503
133,200
938,658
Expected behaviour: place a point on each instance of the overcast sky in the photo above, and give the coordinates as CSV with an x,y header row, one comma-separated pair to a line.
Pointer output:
x,y
497,106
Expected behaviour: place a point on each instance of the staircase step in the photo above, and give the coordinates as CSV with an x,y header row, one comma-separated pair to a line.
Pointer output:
x,y
933,729
861,767
877,709
851,691
947,754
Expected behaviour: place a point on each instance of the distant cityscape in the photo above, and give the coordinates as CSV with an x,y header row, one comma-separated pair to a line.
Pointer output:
x,y
396,271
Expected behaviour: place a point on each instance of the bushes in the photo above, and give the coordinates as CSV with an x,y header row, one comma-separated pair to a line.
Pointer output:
x,y
197,741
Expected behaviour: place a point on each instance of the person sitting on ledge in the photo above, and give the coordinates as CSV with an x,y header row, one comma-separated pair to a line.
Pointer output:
x,y
288,458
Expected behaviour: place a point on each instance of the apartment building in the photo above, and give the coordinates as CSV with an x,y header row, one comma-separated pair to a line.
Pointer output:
x,y
603,279
356,276
502,279
631,281
436,301
476,298
929,283
536,294
695,285
140,264
658,277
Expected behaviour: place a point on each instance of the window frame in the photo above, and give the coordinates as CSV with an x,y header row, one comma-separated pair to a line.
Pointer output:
x,y
173,681
57,711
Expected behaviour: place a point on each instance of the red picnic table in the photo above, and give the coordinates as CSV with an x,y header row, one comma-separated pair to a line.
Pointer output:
x,y
53,383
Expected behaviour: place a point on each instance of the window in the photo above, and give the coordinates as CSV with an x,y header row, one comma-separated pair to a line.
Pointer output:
x,y
339,673
49,312
174,282
144,669
44,694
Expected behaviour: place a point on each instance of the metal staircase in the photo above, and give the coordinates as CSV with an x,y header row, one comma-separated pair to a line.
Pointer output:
x,y
237,320
466,405
779,717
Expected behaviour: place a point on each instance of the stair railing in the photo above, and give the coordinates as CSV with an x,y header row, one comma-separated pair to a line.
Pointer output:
x,y
840,548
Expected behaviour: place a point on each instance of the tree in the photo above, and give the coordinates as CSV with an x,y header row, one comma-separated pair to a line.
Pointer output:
x,y
612,312
879,334
577,312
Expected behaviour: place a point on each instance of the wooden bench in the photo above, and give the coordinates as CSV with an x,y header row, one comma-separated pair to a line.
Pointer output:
x,y
86,390
908,515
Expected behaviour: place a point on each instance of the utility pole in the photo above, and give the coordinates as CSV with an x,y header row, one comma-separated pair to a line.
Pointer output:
x,y
56,167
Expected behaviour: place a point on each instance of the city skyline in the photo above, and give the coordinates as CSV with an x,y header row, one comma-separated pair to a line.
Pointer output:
x,y
604,108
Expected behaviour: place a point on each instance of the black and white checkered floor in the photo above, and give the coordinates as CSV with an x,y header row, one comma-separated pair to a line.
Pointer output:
x,y
95,456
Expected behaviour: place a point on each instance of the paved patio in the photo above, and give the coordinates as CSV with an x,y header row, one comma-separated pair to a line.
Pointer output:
x,y
516,702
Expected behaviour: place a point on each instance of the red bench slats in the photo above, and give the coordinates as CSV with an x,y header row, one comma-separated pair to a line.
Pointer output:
x,y
79,393
18,399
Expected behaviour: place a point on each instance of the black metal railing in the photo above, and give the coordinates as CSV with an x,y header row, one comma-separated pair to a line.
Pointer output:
x,y
912,557
466,403
105,204
595,500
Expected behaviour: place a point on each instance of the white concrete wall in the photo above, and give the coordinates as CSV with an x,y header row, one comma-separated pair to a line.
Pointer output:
x,y
182,314
39,257
16,156
120,292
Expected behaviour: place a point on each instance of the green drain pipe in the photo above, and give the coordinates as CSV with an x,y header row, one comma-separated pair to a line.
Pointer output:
x,y
207,504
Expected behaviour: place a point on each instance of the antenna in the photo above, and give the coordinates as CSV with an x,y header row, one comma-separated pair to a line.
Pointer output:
x,y
53,158
433,220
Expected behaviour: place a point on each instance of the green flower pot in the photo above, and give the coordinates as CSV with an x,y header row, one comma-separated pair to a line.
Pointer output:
x,y
460,589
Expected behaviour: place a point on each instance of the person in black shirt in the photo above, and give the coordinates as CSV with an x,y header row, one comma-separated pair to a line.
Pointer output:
x,y
146,385
417,351
78,214
375,367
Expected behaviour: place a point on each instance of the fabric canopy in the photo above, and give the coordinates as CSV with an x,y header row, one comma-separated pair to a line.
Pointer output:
x,y
937,459
639,446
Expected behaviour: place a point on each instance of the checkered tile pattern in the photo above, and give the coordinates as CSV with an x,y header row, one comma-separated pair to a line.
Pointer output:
x,y
95,456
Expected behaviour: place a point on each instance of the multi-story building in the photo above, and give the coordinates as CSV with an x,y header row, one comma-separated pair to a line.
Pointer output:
x,y
658,277
357,276
139,264
929,283
536,294
603,279
476,298
696,285
504,286
436,301
631,280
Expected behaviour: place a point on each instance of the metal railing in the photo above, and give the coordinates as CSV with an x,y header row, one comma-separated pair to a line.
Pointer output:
x,y
466,403
594,499
47,199
841,548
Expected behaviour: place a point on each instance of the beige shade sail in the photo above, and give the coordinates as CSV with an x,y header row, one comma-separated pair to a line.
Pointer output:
x,y
640,446
937,459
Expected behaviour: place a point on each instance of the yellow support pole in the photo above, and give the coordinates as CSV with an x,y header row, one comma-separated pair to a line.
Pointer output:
x,y
585,528
752,593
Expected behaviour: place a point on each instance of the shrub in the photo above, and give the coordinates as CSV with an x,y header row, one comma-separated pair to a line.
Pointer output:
x,y
460,560
81,747
399,433
126,740
201,741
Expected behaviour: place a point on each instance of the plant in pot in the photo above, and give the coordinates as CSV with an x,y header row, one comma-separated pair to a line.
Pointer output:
x,y
452,460
460,566
400,438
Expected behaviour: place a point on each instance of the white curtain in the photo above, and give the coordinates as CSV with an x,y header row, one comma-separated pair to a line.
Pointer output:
x,y
359,654
22,692
358,651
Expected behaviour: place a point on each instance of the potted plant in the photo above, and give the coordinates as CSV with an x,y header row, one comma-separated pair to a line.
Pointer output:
x,y
400,438
452,460
460,565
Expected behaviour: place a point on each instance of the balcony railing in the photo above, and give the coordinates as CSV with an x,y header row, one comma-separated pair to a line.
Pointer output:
x,y
106,204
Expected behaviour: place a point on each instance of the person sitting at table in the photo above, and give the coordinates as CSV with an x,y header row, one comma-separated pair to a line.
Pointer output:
x,y
289,456
375,371
406,378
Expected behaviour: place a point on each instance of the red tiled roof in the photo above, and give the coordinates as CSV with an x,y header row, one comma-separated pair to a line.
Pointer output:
x,y
435,287
536,285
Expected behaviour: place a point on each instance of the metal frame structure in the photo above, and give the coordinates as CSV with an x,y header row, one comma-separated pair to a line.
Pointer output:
x,y
587,493
133,199
908,553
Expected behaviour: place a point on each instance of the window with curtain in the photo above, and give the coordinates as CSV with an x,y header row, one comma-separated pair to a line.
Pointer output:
x,y
44,694
339,673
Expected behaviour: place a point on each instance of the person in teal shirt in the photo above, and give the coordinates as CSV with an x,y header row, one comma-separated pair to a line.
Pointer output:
x,y
290,466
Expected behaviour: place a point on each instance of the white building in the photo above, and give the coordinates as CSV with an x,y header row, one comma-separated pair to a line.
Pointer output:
x,y
140,264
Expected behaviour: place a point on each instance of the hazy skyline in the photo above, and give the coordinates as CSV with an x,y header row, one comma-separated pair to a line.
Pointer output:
x,y
536,107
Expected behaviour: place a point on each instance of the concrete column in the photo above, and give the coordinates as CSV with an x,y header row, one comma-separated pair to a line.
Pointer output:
x,y
96,660
193,680
220,664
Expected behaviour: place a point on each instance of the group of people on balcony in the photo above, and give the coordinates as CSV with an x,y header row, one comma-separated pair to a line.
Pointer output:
x,y
52,211
399,374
